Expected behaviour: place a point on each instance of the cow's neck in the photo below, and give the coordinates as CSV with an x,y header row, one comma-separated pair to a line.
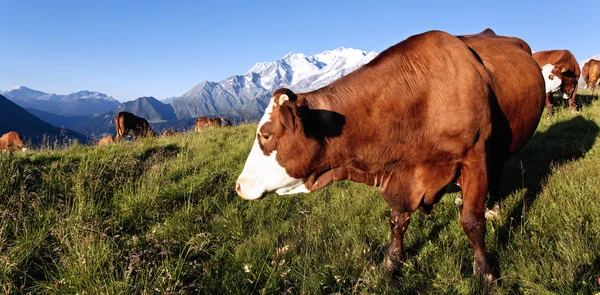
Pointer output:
x,y
354,153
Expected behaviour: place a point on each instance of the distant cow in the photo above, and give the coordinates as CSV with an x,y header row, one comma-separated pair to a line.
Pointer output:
x,y
214,122
11,141
128,123
431,110
561,74
106,140
169,132
591,74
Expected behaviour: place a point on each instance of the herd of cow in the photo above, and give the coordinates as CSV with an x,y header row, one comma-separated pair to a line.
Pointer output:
x,y
125,124
129,124
432,110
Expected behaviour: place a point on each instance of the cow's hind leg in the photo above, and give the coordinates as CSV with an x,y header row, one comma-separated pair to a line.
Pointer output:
x,y
492,210
474,188
398,224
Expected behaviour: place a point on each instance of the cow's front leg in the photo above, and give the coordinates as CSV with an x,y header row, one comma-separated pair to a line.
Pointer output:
x,y
572,105
549,105
398,225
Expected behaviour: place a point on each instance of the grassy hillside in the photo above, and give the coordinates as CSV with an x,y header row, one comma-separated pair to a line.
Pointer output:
x,y
160,216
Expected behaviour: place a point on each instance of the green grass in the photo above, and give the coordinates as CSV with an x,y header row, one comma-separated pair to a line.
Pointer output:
x,y
160,216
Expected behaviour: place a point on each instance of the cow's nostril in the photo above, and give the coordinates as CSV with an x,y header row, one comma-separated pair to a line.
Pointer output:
x,y
238,187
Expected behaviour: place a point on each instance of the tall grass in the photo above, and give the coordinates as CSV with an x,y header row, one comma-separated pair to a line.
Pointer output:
x,y
160,216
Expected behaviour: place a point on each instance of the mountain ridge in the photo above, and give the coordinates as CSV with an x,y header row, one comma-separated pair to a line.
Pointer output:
x,y
31,128
244,97
79,103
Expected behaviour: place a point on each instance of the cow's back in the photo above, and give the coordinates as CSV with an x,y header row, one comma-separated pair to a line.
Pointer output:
x,y
558,57
11,141
427,93
518,88
106,140
591,72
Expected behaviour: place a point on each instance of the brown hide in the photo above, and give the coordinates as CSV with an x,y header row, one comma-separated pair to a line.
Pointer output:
x,y
591,73
429,111
106,140
211,122
126,123
489,33
516,105
169,132
11,141
421,117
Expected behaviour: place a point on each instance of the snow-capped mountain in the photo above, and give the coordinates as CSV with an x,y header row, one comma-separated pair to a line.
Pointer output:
x,y
244,97
168,99
74,104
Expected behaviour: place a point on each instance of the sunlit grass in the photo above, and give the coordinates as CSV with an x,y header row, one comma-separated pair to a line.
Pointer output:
x,y
161,216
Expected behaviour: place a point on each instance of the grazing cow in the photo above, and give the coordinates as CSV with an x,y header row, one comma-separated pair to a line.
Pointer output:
x,y
214,122
128,123
106,140
429,111
169,132
11,141
591,74
561,73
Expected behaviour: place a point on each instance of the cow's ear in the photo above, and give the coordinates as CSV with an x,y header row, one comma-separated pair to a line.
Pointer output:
x,y
288,114
563,68
283,94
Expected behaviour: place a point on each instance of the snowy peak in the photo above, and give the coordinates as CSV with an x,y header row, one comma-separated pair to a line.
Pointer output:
x,y
28,94
297,70
349,55
74,104
89,95
245,96
25,93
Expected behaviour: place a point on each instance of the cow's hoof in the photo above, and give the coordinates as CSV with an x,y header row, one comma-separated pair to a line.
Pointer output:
x,y
392,261
389,264
494,213
481,270
458,201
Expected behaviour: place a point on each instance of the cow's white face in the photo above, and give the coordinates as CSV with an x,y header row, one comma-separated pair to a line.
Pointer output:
x,y
552,81
262,172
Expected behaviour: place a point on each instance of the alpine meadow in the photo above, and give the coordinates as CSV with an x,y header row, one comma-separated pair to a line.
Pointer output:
x,y
161,216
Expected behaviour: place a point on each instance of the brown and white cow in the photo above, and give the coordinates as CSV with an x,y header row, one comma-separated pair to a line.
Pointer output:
x,y
591,74
11,141
169,132
211,122
127,123
106,140
561,74
429,111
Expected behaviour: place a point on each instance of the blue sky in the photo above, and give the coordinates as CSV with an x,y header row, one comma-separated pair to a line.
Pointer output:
x,y
129,49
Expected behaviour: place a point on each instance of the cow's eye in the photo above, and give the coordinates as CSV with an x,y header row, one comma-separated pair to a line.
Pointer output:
x,y
266,136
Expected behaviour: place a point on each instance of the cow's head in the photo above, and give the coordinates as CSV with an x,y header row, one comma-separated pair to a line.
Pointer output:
x,y
282,156
559,78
